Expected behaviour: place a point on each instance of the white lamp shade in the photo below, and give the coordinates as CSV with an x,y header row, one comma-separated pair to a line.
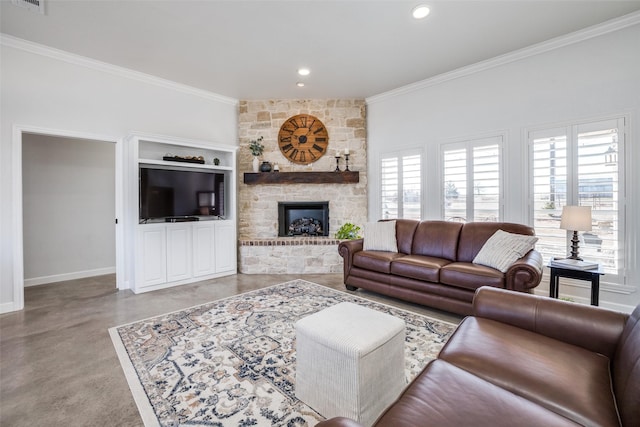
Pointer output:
x,y
576,218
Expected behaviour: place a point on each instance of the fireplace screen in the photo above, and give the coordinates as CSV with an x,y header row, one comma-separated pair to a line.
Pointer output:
x,y
303,219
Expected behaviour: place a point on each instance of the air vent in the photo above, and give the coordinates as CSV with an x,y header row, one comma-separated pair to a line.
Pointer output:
x,y
33,5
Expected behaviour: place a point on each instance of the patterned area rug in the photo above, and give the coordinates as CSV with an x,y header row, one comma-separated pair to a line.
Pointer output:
x,y
231,362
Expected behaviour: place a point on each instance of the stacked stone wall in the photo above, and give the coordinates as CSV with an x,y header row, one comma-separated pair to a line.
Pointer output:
x,y
345,120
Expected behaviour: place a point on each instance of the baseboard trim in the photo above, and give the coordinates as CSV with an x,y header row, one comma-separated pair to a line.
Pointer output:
x,y
43,280
7,307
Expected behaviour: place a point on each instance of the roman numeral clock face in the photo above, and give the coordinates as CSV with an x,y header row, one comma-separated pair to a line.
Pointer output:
x,y
303,139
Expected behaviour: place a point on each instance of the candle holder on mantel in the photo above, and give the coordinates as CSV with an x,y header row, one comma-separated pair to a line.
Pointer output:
x,y
346,159
337,164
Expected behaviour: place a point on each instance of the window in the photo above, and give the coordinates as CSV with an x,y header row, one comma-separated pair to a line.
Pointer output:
x,y
579,165
472,184
401,175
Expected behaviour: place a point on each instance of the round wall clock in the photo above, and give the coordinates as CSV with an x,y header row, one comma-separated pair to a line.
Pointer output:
x,y
303,139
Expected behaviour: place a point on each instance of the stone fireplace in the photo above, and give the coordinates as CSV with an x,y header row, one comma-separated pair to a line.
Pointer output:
x,y
263,249
303,219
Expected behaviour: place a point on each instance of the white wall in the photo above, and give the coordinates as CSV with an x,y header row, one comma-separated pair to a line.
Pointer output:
x,y
68,199
591,78
50,89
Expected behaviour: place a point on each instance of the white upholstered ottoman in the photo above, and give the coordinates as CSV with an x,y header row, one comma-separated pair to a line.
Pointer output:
x,y
350,361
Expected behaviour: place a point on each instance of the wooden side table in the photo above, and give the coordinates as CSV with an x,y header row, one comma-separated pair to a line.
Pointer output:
x,y
592,275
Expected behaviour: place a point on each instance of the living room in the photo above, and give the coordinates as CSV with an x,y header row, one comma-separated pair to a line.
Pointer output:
x,y
583,77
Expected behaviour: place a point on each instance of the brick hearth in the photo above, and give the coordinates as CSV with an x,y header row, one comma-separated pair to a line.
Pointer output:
x,y
290,255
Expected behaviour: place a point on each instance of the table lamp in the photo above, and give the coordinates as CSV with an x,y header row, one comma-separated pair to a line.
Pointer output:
x,y
575,218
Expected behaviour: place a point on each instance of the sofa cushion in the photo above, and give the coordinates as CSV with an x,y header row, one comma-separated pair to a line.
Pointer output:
x,y
405,229
418,267
436,239
375,260
380,236
474,235
503,249
444,395
471,276
566,379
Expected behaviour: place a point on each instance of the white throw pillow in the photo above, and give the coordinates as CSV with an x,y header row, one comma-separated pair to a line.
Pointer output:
x,y
503,249
380,236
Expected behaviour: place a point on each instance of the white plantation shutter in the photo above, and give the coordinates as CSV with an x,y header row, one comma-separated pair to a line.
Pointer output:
x,y
455,184
580,165
411,187
486,183
389,184
472,184
401,175
549,154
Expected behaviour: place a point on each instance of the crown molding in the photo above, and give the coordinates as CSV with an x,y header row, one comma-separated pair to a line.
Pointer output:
x,y
42,50
610,26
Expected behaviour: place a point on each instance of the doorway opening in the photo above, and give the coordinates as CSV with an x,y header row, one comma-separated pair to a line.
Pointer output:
x,y
68,208
67,201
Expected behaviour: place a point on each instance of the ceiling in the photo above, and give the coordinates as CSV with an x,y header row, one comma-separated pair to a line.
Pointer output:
x,y
252,49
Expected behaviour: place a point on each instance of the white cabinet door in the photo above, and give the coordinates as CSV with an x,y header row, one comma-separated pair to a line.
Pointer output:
x,y
204,255
152,259
225,246
178,252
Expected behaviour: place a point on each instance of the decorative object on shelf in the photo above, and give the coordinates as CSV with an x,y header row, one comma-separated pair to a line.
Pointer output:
x,y
256,148
575,218
265,167
276,168
303,139
187,159
216,161
337,162
348,231
346,159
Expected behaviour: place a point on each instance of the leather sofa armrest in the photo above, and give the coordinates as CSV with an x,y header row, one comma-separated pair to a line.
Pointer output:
x,y
346,249
339,422
525,273
593,328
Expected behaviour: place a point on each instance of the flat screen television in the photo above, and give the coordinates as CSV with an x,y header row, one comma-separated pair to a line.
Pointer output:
x,y
167,193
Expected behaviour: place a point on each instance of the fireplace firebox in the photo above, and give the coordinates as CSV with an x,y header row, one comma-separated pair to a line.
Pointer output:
x,y
303,219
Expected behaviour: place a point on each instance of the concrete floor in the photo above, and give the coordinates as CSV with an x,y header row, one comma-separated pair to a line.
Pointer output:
x,y
58,366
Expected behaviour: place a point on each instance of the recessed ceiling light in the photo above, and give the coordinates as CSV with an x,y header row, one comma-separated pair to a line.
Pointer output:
x,y
420,11
303,71
300,84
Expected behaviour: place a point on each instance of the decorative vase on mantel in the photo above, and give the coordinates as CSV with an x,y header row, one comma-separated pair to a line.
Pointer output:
x,y
256,164
265,167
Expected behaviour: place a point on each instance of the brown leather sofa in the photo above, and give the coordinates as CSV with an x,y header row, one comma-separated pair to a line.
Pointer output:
x,y
433,265
525,360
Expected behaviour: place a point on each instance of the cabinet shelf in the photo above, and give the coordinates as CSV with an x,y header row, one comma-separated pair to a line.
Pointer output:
x,y
177,165
302,178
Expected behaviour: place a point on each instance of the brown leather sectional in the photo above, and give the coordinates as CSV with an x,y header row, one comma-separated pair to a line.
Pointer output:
x,y
525,360
433,265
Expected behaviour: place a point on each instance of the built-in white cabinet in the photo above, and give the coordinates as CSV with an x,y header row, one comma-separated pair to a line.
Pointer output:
x,y
175,253
178,253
